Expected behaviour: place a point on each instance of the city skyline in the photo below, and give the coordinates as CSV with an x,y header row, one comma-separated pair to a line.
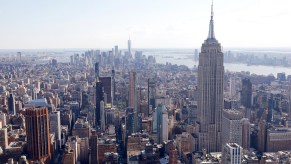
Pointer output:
x,y
150,24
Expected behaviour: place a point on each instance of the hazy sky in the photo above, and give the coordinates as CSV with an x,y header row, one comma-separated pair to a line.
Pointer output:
x,y
151,23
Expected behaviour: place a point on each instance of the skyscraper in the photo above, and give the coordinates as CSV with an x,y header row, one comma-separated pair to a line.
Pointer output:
x,y
133,97
55,126
116,52
232,127
38,135
107,86
151,94
232,87
99,98
11,104
210,86
246,93
96,70
3,138
102,116
160,124
129,46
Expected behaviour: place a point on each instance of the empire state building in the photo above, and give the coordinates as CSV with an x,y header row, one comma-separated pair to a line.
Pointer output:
x,y
210,87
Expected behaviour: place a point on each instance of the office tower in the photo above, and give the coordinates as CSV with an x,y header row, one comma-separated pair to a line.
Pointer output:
x,y
96,70
102,115
262,135
129,121
38,135
129,46
107,83
133,97
93,147
231,126
151,94
232,87
113,89
160,123
210,88
11,104
246,133
246,93
3,138
55,126
116,51
107,86
232,154
99,98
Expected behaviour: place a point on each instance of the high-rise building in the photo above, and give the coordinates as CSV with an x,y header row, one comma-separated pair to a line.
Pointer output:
x,y
246,93
55,126
231,127
232,87
3,138
102,116
99,98
210,88
113,89
11,104
38,135
107,86
96,70
116,52
129,46
93,147
160,123
129,121
232,154
133,97
19,56
246,133
151,94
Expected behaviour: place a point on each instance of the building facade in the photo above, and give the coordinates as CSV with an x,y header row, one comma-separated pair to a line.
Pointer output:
x,y
210,86
38,135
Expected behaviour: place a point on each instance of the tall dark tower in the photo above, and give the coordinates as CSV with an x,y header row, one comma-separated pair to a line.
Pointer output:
x,y
246,93
38,135
113,89
210,86
99,98
11,104
151,94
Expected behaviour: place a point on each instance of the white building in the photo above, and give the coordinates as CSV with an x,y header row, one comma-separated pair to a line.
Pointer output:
x,y
231,126
232,154
55,126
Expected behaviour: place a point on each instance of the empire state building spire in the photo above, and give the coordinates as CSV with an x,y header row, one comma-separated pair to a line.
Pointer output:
x,y
211,25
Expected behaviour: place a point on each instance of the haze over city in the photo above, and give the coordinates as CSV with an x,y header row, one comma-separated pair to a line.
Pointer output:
x,y
35,24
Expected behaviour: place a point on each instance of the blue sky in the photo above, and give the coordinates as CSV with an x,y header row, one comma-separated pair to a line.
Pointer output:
x,y
33,24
